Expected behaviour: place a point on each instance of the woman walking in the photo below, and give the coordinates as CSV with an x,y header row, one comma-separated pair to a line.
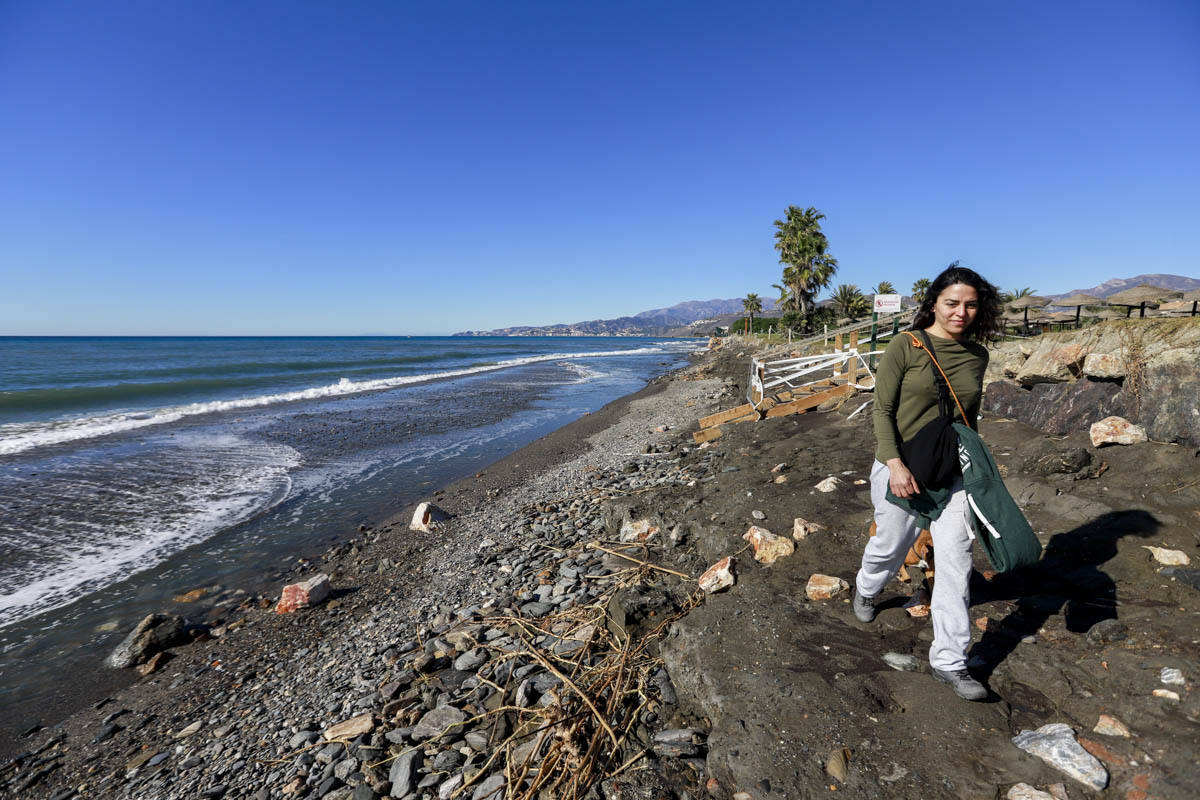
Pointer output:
x,y
960,311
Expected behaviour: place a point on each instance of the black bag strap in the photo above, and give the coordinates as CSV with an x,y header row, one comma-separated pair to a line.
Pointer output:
x,y
939,379
944,389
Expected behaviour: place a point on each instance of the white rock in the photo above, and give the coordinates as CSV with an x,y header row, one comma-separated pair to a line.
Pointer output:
x,y
1023,791
717,577
189,730
1171,558
901,661
829,484
1167,694
824,587
1111,726
768,548
1055,744
1172,677
637,530
426,517
1103,365
1116,430
801,528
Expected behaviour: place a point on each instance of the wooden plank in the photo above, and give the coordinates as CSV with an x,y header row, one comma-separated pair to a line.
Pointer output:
x,y
812,401
852,374
726,415
706,436
766,405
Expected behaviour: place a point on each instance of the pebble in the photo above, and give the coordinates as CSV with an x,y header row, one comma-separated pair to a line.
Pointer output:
x,y
1172,677
1023,791
902,662
758,514
1111,726
1055,744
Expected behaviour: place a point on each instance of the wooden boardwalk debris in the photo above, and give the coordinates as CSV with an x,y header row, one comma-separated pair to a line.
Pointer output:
x,y
811,401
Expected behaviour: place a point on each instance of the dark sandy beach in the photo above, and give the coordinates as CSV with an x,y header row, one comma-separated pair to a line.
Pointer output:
x,y
435,645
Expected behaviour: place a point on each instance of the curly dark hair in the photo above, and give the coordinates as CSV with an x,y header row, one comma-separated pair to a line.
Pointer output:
x,y
987,326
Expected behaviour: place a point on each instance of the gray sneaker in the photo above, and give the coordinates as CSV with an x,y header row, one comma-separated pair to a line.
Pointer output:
x,y
864,607
964,685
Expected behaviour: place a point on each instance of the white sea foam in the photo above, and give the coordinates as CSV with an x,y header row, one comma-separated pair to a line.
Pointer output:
x,y
222,481
21,436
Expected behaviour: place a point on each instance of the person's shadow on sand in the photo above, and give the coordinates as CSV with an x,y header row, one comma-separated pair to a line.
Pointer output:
x,y
1068,575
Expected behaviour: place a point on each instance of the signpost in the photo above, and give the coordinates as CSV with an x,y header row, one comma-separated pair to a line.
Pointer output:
x,y
884,304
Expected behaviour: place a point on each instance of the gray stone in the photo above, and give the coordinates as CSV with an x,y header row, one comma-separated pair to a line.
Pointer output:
x,y
330,752
404,771
447,760
155,633
1106,631
303,739
448,787
1055,744
436,721
902,662
491,788
344,768
471,660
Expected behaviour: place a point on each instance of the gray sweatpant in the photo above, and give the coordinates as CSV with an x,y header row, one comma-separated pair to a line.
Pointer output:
x,y
895,532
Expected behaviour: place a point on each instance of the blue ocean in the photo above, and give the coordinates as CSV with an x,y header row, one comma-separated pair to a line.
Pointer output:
x,y
132,469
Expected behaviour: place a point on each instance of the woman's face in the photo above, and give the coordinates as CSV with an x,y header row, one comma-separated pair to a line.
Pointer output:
x,y
956,308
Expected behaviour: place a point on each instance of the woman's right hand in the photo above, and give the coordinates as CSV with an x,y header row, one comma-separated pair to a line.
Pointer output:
x,y
900,480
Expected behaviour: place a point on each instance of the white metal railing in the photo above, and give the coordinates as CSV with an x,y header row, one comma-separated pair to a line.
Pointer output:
x,y
771,377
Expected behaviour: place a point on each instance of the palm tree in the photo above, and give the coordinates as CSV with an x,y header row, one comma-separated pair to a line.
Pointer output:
x,y
751,305
918,289
803,250
884,287
850,301
1015,294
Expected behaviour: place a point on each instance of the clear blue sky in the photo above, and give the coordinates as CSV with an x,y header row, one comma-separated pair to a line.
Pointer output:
x,y
328,168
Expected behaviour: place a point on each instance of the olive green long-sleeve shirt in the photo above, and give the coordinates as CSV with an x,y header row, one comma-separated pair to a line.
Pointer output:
x,y
906,395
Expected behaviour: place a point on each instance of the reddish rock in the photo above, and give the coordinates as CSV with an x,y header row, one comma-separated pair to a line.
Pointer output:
x,y
719,576
304,594
1101,752
637,530
156,661
768,548
824,587
190,597
1116,430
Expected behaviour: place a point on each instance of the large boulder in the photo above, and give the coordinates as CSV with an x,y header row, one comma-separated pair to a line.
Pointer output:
x,y
155,633
1055,408
1169,405
1056,364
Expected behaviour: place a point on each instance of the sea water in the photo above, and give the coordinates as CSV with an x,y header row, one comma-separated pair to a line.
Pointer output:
x,y
134,469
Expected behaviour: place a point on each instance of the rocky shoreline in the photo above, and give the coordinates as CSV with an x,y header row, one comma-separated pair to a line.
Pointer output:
x,y
550,638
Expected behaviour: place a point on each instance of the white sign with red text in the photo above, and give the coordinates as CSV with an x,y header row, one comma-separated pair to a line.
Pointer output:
x,y
887,303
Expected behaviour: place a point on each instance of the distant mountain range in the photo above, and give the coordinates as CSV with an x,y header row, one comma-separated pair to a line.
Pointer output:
x,y
1179,283
700,317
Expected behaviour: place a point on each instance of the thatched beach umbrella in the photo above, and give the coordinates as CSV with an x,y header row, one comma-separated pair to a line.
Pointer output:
x,y
1027,302
1079,300
1139,296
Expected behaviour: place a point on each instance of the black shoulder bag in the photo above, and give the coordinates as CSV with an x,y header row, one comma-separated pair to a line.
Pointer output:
x,y
931,455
